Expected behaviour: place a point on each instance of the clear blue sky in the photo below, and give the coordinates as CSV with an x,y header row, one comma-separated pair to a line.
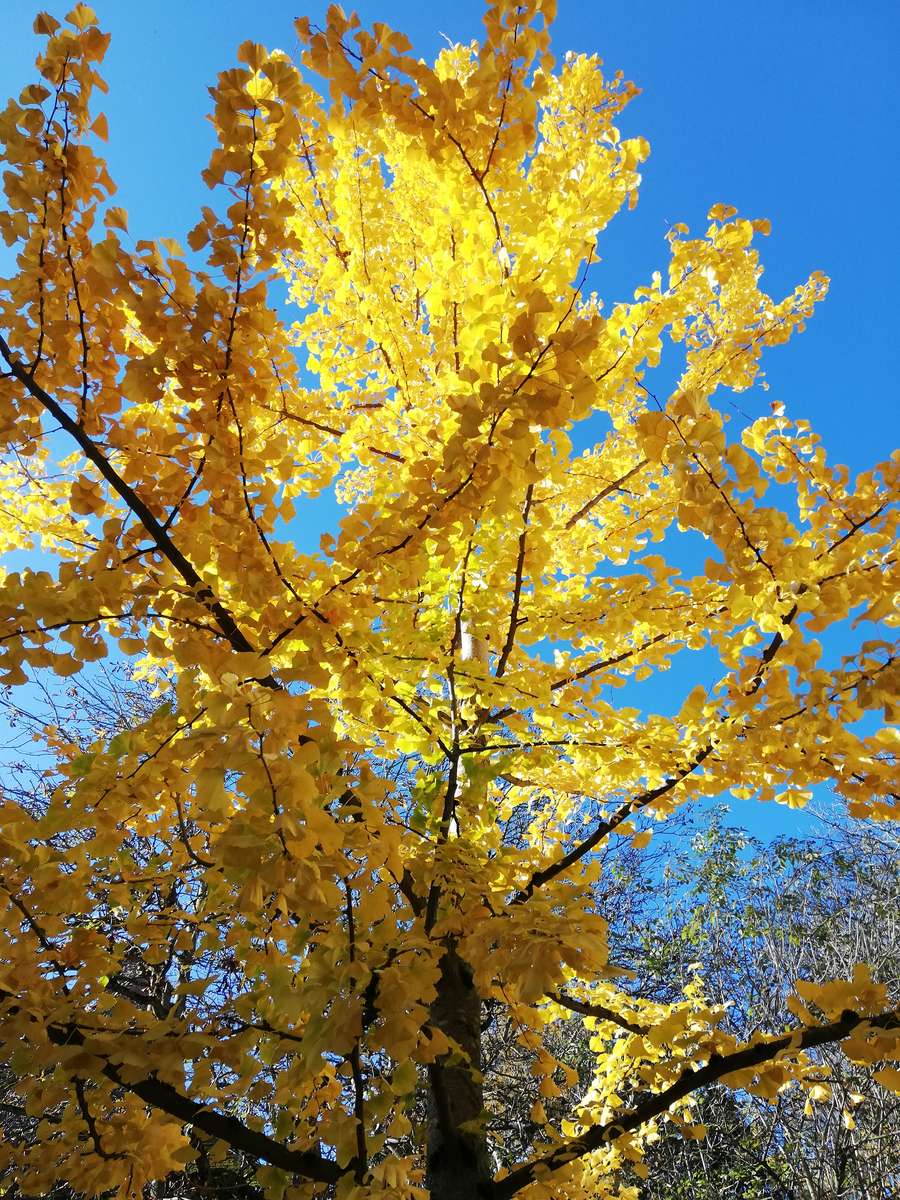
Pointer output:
x,y
788,109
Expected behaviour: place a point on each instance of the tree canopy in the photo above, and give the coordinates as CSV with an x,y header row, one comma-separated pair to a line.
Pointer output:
x,y
364,813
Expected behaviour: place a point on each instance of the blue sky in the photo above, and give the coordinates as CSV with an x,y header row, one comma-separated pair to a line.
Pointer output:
x,y
788,110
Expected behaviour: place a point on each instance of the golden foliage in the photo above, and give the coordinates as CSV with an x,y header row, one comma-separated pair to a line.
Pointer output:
x,y
233,914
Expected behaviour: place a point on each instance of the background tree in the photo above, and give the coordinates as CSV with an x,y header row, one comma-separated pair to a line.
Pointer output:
x,y
756,918
367,808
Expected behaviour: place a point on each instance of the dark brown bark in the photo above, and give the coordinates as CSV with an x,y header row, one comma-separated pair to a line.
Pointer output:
x,y
458,1163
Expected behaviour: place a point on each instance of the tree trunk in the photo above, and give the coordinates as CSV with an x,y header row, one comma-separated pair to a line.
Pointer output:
x,y
458,1163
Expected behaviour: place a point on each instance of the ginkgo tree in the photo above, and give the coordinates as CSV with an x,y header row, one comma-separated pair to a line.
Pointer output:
x,y
364,817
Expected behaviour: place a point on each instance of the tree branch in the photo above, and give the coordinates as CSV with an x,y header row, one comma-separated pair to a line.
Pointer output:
x,y
164,543
517,587
595,1010
655,1104
615,486
539,878
162,1096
